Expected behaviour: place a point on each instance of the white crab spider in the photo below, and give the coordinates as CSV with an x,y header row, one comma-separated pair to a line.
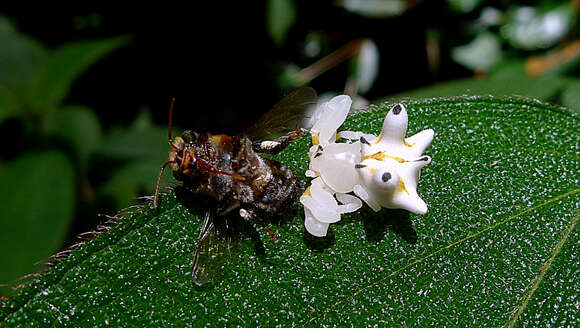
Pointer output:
x,y
381,170
391,164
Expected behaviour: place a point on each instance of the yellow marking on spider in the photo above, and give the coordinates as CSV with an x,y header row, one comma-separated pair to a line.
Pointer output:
x,y
401,186
373,170
408,144
315,140
379,139
380,156
307,192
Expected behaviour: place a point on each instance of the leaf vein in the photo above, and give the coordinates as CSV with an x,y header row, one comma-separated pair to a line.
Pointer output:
x,y
419,260
543,269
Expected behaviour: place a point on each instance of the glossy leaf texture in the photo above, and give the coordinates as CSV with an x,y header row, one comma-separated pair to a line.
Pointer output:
x,y
498,246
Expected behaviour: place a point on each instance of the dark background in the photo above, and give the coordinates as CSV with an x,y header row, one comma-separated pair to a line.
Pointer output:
x,y
217,58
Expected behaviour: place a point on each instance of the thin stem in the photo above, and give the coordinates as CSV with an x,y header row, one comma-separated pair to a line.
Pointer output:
x,y
311,72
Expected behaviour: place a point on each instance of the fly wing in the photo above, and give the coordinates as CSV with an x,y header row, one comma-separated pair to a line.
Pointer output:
x,y
289,114
212,252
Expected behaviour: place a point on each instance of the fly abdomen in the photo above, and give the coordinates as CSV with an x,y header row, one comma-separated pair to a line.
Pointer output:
x,y
281,191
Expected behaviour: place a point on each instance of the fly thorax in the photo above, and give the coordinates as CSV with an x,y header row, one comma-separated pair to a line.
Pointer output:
x,y
222,142
262,173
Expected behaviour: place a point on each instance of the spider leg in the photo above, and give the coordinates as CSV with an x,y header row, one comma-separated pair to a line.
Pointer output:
x,y
276,146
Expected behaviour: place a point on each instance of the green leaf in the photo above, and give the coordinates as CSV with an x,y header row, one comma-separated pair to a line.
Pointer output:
x,y
141,150
37,197
80,129
143,174
498,246
64,65
20,60
134,143
281,15
544,88
119,192
463,6
508,68
6,26
571,94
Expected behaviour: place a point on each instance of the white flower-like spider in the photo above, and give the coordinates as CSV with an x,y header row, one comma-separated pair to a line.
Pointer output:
x,y
381,170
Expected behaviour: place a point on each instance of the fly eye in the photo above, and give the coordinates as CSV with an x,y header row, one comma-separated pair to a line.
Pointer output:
x,y
189,137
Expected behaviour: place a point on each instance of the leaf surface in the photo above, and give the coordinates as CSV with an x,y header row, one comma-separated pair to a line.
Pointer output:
x,y
498,246
37,194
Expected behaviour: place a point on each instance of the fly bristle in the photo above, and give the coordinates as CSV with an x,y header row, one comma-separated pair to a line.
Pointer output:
x,y
52,261
89,235
102,227
133,207
108,216
76,246
61,254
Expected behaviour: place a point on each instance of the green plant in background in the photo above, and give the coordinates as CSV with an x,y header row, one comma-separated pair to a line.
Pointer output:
x,y
46,182
512,49
518,48
497,247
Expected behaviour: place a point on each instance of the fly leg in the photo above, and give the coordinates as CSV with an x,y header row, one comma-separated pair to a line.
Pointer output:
x,y
249,215
275,146
230,207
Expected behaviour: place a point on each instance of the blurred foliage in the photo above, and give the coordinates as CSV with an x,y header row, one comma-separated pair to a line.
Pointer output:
x,y
62,168
481,53
374,8
554,89
521,29
37,198
496,41
281,15
515,40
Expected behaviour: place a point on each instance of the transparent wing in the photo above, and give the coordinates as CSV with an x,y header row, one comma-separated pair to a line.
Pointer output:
x,y
289,114
213,252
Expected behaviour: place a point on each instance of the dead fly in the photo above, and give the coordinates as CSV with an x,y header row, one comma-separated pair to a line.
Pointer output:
x,y
228,171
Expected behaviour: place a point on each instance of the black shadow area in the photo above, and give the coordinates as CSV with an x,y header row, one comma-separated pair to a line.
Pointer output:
x,y
230,227
319,244
376,224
